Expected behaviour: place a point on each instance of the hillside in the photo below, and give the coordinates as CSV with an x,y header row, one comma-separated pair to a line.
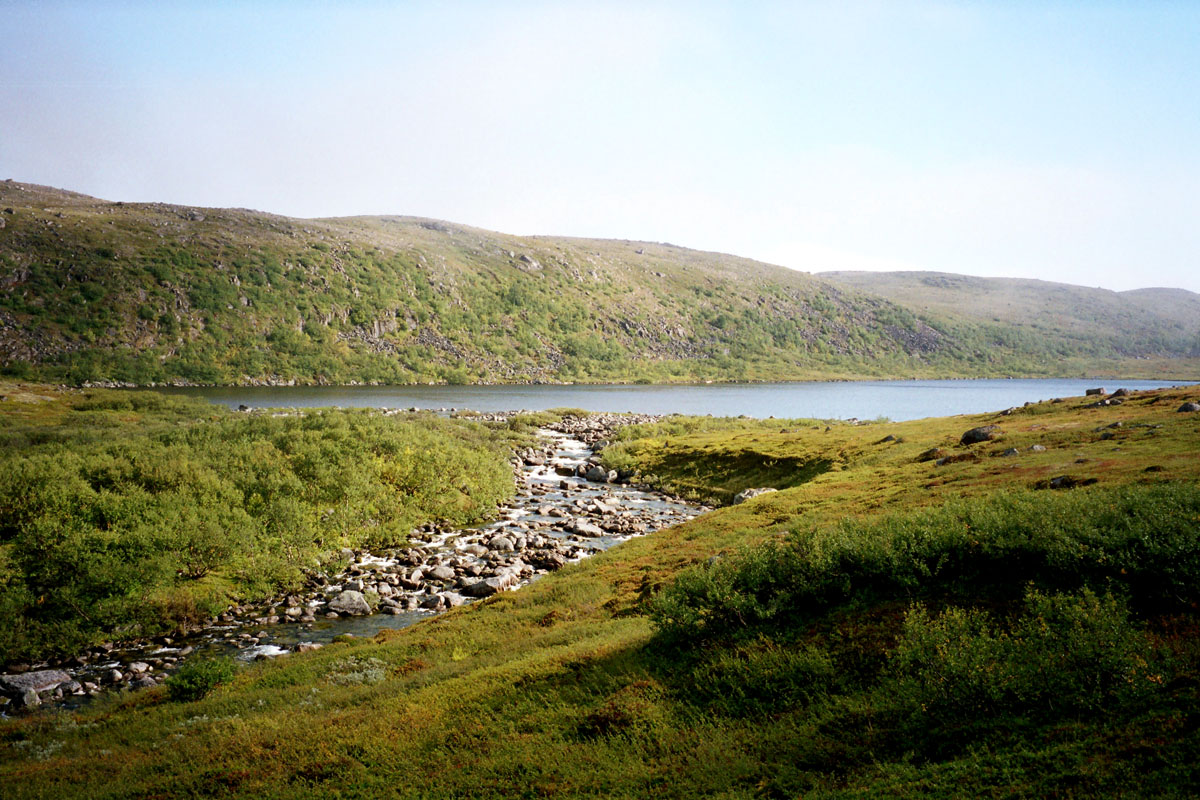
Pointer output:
x,y
1139,322
153,293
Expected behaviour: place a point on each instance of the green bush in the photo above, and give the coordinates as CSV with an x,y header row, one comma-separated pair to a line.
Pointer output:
x,y
1141,540
197,677
144,512
951,665
1065,653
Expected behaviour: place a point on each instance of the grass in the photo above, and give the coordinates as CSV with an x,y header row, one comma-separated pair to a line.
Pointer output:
x,y
568,689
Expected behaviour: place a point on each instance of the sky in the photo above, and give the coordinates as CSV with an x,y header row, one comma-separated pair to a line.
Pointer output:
x,y
1049,140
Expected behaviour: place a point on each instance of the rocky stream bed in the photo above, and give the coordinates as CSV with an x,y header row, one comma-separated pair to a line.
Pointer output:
x,y
566,508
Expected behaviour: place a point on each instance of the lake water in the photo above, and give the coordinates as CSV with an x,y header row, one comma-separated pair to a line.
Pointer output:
x,y
896,400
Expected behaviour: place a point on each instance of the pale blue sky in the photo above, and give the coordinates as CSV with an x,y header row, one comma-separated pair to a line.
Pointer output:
x,y
1050,140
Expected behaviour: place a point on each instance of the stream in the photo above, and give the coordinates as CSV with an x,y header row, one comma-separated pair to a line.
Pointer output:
x,y
565,509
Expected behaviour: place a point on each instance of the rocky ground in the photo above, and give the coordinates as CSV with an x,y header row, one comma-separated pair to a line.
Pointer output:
x,y
567,507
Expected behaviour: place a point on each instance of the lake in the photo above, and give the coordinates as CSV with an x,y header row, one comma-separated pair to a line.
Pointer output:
x,y
896,400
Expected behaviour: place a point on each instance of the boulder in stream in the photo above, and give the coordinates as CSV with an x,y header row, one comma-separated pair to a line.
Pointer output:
x,y
350,602
42,680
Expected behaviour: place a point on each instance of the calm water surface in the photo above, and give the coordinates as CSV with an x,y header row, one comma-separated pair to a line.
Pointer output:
x,y
897,400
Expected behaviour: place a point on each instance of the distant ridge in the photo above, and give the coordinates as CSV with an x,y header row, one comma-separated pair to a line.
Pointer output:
x,y
140,293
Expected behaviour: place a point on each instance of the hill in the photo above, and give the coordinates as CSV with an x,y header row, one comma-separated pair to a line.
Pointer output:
x,y
151,293
1136,323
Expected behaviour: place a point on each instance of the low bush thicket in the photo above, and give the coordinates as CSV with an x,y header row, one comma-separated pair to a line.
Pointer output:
x,y
1140,540
1064,653
156,524
197,677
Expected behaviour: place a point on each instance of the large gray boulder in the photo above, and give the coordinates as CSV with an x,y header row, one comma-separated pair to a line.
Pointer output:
x,y
489,586
441,573
981,434
1190,407
584,528
42,680
501,544
350,602
599,474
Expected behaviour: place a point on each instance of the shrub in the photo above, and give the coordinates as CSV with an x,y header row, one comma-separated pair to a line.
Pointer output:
x,y
1077,653
197,677
1080,652
128,498
1140,540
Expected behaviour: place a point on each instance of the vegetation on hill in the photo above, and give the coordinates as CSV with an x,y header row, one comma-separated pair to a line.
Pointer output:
x,y
895,624
152,293
1137,323
125,514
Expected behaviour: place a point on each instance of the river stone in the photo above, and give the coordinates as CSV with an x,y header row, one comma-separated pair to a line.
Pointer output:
x,y
501,544
747,494
586,528
981,434
489,586
40,681
138,667
441,573
599,474
350,602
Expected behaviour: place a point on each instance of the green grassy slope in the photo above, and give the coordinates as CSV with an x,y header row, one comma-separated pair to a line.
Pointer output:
x,y
1142,322
147,292
843,645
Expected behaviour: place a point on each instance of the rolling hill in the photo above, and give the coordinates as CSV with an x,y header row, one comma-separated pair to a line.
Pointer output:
x,y
149,293
1137,322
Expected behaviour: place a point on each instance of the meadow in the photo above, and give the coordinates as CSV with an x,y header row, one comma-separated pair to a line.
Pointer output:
x,y
908,616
